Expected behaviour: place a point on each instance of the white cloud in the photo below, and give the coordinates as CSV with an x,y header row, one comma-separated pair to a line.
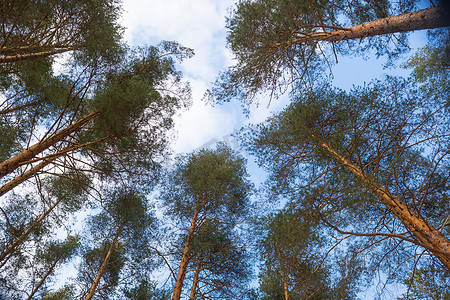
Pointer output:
x,y
200,25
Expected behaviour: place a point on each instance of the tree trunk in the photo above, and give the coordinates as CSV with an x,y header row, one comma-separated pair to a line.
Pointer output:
x,y
24,235
27,56
102,269
12,163
195,281
431,238
184,258
422,19
41,282
23,177
283,273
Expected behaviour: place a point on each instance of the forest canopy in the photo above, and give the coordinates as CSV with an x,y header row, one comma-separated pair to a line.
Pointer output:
x,y
356,192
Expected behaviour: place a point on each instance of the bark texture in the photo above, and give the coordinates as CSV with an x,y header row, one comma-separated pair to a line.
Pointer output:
x,y
12,163
185,258
431,238
195,280
103,267
26,56
429,18
23,177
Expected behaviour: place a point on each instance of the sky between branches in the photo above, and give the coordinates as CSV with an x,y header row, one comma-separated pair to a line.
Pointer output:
x,y
200,25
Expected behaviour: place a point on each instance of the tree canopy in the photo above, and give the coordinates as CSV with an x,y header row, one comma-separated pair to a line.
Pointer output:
x,y
356,195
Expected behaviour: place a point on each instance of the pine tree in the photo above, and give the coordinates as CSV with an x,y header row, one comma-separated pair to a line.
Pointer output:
x,y
282,44
204,185
359,159
118,253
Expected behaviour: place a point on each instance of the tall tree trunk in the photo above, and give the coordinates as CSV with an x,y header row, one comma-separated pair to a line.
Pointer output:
x,y
431,238
195,281
184,258
24,235
12,163
422,19
27,56
34,48
23,177
283,272
41,282
102,269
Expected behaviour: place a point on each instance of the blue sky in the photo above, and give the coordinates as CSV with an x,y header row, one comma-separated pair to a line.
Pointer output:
x,y
200,25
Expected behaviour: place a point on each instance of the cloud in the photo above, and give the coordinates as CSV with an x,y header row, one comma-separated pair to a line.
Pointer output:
x,y
200,25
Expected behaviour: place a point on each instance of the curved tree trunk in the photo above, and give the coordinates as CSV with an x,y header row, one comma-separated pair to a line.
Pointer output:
x,y
431,238
184,258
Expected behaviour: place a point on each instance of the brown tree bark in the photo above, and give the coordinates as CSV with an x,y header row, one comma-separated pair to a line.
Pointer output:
x,y
102,269
418,20
283,273
12,163
41,282
26,56
428,236
195,281
185,258
24,235
23,177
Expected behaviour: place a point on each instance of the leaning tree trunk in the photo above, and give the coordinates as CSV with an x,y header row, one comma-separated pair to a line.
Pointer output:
x,y
418,20
27,56
41,282
103,267
14,162
184,258
24,177
12,247
196,279
428,236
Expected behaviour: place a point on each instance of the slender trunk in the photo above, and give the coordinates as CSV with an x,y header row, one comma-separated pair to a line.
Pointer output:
x,y
195,281
36,48
24,235
36,288
27,56
23,177
12,163
422,19
184,258
425,233
102,269
283,273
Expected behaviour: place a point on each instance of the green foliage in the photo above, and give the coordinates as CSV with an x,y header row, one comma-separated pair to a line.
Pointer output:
x,y
428,283
125,225
67,292
146,290
389,129
224,268
430,65
88,26
215,179
261,34
291,250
